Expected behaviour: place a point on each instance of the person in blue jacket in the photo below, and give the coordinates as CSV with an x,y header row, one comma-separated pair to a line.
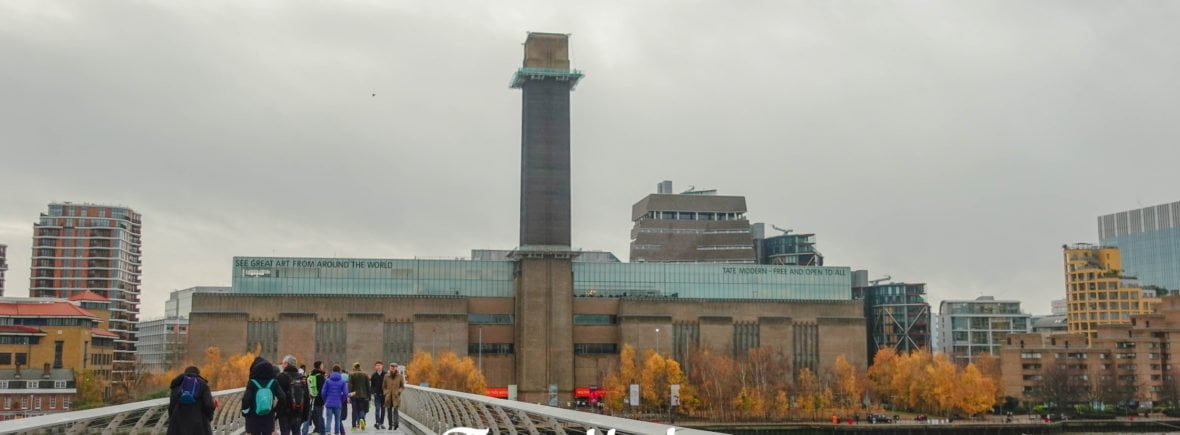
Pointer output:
x,y
335,394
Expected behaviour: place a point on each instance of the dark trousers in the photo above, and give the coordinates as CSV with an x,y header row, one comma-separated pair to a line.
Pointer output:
x,y
359,408
391,415
317,417
379,408
289,424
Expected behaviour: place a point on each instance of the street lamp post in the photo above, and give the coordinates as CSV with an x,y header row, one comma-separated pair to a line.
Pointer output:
x,y
480,349
657,341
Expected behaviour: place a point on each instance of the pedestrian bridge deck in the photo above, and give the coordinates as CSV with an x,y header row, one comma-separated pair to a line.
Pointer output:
x,y
425,411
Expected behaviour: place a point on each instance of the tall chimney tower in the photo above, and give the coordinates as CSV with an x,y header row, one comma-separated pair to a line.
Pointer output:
x,y
545,277
546,81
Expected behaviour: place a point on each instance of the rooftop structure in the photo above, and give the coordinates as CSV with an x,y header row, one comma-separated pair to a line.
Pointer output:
x,y
1149,243
367,276
693,226
788,248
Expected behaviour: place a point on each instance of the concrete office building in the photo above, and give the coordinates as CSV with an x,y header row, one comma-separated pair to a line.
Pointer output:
x,y
692,226
3,266
161,342
1097,290
96,248
1132,355
897,314
971,327
1149,242
537,319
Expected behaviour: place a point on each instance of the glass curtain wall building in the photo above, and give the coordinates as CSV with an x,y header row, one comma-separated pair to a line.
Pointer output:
x,y
897,313
272,275
1149,242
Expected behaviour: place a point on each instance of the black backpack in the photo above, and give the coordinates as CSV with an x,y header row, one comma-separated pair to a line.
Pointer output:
x,y
298,394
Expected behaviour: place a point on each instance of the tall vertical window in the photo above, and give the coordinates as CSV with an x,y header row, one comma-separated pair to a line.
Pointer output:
x,y
57,350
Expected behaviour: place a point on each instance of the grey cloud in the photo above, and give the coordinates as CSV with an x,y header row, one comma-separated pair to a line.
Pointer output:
x,y
956,143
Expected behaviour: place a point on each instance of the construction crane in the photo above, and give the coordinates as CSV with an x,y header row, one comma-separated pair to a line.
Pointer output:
x,y
785,232
880,280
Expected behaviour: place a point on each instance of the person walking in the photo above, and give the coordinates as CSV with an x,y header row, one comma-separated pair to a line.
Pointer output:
x,y
261,398
297,406
315,382
190,404
335,394
376,381
392,387
358,385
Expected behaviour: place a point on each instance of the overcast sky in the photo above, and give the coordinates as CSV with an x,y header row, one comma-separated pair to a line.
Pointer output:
x,y
954,143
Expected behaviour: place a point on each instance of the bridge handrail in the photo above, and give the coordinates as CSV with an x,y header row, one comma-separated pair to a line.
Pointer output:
x,y
55,420
554,415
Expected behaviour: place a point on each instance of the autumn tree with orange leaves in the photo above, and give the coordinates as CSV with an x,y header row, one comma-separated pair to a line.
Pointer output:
x,y
448,372
931,383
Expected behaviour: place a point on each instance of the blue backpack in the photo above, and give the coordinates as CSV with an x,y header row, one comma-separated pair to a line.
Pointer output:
x,y
264,399
190,388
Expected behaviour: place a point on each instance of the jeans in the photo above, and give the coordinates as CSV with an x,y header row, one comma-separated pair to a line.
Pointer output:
x,y
317,418
379,408
335,421
303,428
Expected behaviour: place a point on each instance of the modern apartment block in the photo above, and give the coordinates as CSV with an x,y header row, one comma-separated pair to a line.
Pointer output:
x,y
3,266
970,327
897,314
788,248
1097,291
692,226
96,248
1149,241
1131,356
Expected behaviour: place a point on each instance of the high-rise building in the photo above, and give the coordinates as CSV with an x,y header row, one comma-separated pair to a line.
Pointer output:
x,y
691,226
788,248
897,314
3,266
1149,243
88,247
970,327
1096,290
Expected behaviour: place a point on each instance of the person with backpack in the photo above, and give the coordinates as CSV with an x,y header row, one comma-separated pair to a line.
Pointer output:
x,y
315,382
335,394
261,398
297,406
394,383
358,384
190,404
375,386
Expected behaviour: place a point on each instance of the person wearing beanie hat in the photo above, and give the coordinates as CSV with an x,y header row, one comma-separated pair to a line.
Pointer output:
x,y
359,391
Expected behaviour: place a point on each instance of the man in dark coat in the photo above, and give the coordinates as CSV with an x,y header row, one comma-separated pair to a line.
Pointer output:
x,y
190,418
291,419
262,373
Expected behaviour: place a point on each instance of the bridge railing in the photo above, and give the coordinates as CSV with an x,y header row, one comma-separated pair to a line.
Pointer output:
x,y
441,410
146,417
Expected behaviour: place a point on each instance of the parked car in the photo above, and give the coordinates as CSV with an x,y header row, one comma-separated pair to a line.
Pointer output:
x,y
880,418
